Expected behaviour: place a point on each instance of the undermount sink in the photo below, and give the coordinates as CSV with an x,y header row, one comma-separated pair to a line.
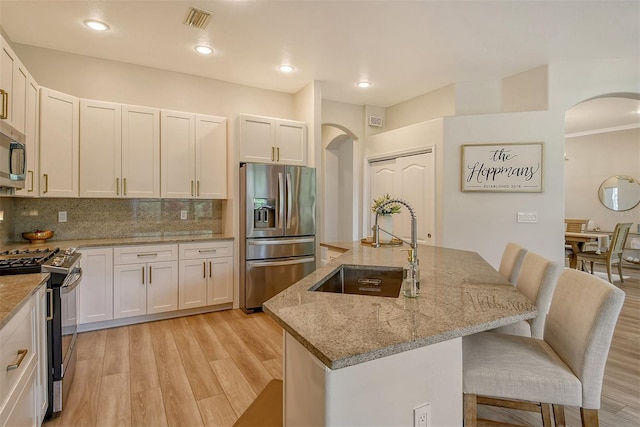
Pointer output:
x,y
361,280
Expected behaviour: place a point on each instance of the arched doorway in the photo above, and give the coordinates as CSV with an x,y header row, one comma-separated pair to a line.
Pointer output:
x,y
341,193
602,139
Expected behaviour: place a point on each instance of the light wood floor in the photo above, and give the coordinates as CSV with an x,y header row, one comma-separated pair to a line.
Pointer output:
x,y
207,369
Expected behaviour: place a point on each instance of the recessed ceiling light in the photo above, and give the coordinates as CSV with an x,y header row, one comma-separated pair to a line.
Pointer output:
x,y
204,50
96,25
286,68
364,84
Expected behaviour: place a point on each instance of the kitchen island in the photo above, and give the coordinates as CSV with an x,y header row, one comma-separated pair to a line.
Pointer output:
x,y
366,360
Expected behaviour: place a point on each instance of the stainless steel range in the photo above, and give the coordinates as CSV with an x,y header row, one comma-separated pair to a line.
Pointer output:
x,y
66,274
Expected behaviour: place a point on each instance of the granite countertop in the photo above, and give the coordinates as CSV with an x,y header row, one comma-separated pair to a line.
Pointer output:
x,y
461,294
15,290
120,241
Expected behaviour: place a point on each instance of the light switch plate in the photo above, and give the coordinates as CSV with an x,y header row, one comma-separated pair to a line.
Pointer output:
x,y
528,217
62,216
183,214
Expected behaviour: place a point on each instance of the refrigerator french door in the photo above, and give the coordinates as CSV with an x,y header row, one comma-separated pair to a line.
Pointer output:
x,y
278,227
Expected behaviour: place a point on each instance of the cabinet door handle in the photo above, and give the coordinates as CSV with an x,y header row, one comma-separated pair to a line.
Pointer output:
x,y
273,156
117,186
191,188
198,188
278,154
150,279
46,183
124,185
143,274
209,268
21,354
5,104
50,298
30,190
204,269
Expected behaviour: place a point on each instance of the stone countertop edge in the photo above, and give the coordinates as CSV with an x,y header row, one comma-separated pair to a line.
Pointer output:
x,y
121,241
293,308
15,291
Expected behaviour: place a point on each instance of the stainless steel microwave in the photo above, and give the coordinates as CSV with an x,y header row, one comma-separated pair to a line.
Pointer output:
x,y
13,157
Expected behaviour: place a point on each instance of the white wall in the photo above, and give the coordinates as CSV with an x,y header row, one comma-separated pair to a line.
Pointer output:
x,y
432,105
590,160
485,222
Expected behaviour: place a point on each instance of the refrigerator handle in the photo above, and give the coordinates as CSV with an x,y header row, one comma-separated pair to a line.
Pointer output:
x,y
280,201
289,199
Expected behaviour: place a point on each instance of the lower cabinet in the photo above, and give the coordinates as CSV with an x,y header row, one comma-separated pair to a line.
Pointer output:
x,y
96,289
126,281
21,356
145,287
206,274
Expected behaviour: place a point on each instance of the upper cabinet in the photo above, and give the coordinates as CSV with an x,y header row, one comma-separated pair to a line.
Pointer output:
x,y
32,135
269,140
119,150
194,156
14,82
59,144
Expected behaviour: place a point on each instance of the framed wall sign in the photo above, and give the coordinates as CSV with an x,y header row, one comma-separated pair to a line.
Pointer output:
x,y
515,168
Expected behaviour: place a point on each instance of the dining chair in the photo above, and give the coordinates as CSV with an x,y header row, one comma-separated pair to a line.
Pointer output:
x,y
576,225
537,280
613,255
564,368
511,262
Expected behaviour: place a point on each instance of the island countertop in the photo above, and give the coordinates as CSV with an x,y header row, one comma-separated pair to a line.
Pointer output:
x,y
460,294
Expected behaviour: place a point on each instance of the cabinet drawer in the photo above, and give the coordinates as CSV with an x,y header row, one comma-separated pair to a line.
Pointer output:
x,y
16,336
142,254
206,250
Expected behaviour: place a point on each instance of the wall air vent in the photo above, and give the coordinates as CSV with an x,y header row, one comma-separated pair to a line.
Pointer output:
x,y
375,121
197,18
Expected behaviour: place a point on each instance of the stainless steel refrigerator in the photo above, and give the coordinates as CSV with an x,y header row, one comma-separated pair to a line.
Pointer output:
x,y
277,230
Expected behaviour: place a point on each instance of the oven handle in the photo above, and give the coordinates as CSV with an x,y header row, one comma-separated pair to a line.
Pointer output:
x,y
72,280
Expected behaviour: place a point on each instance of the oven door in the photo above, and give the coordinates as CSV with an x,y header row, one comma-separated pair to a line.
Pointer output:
x,y
69,310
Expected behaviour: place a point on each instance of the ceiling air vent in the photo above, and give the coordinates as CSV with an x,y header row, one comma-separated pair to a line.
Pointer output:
x,y
197,18
375,121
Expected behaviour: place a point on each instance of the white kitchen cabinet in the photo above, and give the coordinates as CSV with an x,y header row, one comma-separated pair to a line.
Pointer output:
x,y
59,144
145,280
18,384
96,289
194,156
140,152
42,380
206,274
270,140
32,142
14,79
119,150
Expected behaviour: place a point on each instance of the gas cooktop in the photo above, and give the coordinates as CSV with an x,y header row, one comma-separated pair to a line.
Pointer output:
x,y
25,260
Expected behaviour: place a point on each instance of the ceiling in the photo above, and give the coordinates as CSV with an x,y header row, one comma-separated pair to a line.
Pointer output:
x,y
609,113
405,48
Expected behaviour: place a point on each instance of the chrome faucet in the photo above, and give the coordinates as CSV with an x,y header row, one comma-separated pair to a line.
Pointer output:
x,y
414,237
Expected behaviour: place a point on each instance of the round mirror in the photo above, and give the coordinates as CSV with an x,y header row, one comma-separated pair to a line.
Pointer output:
x,y
619,193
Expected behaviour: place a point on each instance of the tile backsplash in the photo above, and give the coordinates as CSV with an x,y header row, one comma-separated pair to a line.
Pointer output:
x,y
109,218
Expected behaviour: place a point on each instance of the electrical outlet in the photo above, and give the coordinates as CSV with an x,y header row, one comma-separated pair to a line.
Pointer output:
x,y
183,214
62,216
422,415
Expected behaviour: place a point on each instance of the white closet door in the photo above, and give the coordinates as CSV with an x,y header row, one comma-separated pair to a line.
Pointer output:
x,y
383,181
416,186
410,178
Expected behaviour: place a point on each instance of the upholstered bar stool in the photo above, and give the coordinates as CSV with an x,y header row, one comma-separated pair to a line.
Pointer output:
x,y
511,262
537,280
566,368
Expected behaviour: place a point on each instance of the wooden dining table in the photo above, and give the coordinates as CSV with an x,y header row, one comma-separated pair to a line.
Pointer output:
x,y
577,241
